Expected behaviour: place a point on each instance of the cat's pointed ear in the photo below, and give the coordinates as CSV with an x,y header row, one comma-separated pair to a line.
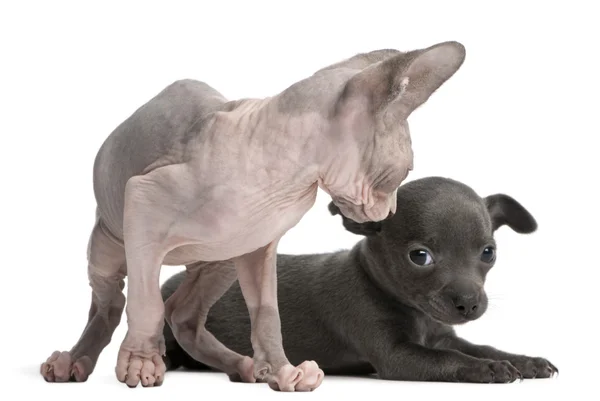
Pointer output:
x,y
398,85
366,229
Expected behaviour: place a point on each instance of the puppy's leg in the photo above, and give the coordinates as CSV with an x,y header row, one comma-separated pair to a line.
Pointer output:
x,y
258,281
528,366
395,358
106,271
186,312
413,362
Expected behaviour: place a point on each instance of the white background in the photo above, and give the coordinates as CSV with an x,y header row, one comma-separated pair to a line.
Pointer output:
x,y
519,117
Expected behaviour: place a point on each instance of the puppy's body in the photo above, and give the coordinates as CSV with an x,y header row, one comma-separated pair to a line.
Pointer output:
x,y
321,296
371,309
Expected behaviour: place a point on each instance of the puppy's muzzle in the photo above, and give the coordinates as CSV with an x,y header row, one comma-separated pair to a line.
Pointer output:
x,y
465,298
466,304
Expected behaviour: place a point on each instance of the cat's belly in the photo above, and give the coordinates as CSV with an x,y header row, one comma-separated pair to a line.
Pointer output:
x,y
186,255
226,237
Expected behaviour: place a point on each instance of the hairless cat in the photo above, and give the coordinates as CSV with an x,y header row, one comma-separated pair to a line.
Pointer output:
x,y
193,179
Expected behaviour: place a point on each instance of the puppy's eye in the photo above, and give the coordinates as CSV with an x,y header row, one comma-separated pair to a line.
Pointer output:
x,y
420,257
488,255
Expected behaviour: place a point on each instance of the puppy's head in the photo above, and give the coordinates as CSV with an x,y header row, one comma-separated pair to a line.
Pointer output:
x,y
435,252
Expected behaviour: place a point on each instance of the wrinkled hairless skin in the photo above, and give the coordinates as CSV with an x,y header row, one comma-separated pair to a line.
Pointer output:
x,y
193,179
388,306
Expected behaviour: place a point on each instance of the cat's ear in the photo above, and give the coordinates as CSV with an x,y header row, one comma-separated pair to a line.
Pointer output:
x,y
396,86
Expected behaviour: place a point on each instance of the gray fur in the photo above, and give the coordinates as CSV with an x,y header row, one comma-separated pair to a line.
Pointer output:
x,y
370,310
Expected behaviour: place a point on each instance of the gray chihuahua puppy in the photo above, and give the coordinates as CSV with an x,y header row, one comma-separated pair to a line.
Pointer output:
x,y
387,306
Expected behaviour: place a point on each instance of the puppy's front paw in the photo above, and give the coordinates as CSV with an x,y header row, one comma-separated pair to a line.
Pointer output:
x,y
535,368
488,371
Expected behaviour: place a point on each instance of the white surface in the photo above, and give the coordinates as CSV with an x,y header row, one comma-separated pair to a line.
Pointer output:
x,y
519,117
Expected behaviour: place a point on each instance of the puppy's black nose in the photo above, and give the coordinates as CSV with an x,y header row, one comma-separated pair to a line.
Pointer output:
x,y
466,304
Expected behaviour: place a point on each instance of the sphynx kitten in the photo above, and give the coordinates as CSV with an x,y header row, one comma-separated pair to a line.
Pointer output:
x,y
193,179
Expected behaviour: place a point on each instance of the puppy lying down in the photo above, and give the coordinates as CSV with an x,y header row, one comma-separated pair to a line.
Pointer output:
x,y
387,306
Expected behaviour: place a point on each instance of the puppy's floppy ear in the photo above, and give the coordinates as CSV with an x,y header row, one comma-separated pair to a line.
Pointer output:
x,y
504,210
368,228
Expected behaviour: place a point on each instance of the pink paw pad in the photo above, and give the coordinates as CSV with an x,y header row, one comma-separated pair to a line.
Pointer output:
x,y
286,378
306,377
60,368
132,369
313,376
